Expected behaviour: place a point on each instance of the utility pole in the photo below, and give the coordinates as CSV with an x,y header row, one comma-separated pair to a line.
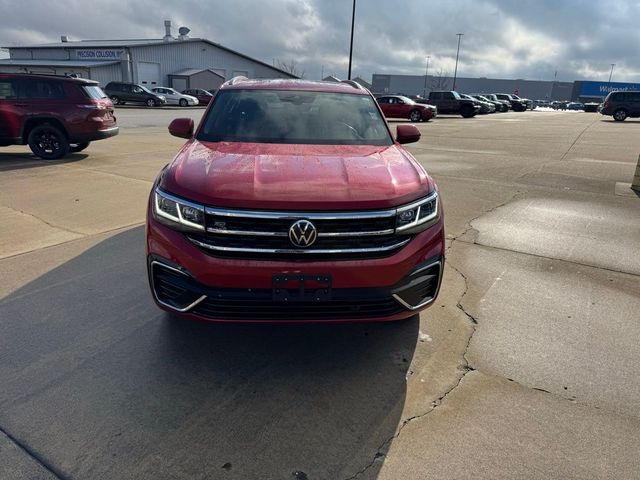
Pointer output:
x,y
353,22
455,73
426,74
611,73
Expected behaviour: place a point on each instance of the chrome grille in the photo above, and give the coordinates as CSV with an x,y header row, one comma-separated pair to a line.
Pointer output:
x,y
347,235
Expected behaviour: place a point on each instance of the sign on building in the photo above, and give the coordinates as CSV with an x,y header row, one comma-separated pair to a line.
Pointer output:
x,y
98,54
602,89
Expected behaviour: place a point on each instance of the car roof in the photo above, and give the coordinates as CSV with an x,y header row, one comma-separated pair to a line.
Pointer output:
x,y
65,78
240,83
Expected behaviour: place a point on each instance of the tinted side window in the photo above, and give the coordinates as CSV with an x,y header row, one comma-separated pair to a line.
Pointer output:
x,y
447,95
383,100
7,90
42,89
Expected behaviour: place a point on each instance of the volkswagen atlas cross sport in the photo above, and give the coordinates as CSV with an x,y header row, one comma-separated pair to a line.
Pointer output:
x,y
292,202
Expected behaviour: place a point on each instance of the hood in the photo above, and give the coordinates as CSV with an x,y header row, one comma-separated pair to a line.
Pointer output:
x,y
295,177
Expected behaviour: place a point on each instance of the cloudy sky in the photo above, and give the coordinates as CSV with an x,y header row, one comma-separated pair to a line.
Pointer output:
x,y
531,39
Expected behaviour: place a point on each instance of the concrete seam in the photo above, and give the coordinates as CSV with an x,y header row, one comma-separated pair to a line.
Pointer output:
x,y
578,138
622,272
437,402
38,458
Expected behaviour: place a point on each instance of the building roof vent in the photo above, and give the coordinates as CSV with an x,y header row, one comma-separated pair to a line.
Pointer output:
x,y
167,31
64,38
184,33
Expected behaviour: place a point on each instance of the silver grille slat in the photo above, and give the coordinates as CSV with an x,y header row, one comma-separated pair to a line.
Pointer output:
x,y
284,234
363,215
300,251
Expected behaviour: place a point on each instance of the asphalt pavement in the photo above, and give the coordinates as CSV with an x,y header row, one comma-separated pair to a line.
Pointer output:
x,y
525,367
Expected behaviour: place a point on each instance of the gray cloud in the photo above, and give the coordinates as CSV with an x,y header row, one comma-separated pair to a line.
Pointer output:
x,y
502,38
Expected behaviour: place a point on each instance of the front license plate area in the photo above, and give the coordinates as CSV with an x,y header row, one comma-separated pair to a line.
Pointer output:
x,y
301,288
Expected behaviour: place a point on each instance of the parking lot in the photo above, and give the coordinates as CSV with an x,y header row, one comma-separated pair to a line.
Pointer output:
x,y
525,367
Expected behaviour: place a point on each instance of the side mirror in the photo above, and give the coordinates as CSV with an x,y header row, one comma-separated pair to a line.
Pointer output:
x,y
407,134
181,127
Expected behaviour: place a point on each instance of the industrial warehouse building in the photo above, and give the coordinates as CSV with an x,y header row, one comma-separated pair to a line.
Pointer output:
x,y
179,62
579,90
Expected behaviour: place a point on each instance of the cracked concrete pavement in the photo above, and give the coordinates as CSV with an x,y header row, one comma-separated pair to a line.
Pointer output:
x,y
525,367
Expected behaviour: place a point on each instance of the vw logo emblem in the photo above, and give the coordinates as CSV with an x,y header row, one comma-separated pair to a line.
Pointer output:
x,y
303,233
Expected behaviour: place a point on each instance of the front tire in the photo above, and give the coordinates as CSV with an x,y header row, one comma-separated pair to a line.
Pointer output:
x,y
415,116
467,111
619,115
151,102
48,142
183,102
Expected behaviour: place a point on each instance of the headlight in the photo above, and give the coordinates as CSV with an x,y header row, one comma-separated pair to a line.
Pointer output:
x,y
417,216
178,211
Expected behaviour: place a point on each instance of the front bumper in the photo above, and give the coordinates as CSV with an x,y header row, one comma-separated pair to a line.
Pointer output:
x,y
189,282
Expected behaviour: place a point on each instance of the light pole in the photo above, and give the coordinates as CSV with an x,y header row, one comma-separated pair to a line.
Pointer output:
x,y
455,72
611,73
426,74
353,22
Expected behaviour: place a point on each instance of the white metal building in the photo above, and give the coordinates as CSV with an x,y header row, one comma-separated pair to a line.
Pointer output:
x,y
181,62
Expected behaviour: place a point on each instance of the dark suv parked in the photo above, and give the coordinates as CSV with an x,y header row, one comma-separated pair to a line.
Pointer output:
x,y
121,93
452,102
622,105
515,103
54,115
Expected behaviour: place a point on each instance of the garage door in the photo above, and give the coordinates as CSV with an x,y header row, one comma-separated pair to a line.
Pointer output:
x,y
149,74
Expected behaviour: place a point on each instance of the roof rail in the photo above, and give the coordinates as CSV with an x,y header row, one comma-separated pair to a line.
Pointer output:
x,y
353,84
234,80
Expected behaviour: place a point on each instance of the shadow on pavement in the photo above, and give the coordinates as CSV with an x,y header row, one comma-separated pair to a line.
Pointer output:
x,y
101,384
23,160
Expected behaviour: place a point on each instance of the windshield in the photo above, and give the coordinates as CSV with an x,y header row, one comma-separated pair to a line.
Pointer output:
x,y
285,116
144,89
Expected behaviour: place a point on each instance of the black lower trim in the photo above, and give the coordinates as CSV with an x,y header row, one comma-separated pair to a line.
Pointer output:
x,y
174,286
97,135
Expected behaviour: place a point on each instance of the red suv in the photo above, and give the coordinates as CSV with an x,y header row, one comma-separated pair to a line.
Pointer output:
x,y
293,202
54,115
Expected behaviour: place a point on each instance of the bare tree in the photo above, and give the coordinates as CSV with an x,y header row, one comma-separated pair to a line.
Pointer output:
x,y
290,67
440,81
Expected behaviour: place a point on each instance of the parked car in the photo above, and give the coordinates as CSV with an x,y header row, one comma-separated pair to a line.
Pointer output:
x,y
398,106
575,106
506,105
54,115
451,102
591,106
203,96
529,105
293,202
121,93
621,105
559,104
498,106
485,107
515,103
174,97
